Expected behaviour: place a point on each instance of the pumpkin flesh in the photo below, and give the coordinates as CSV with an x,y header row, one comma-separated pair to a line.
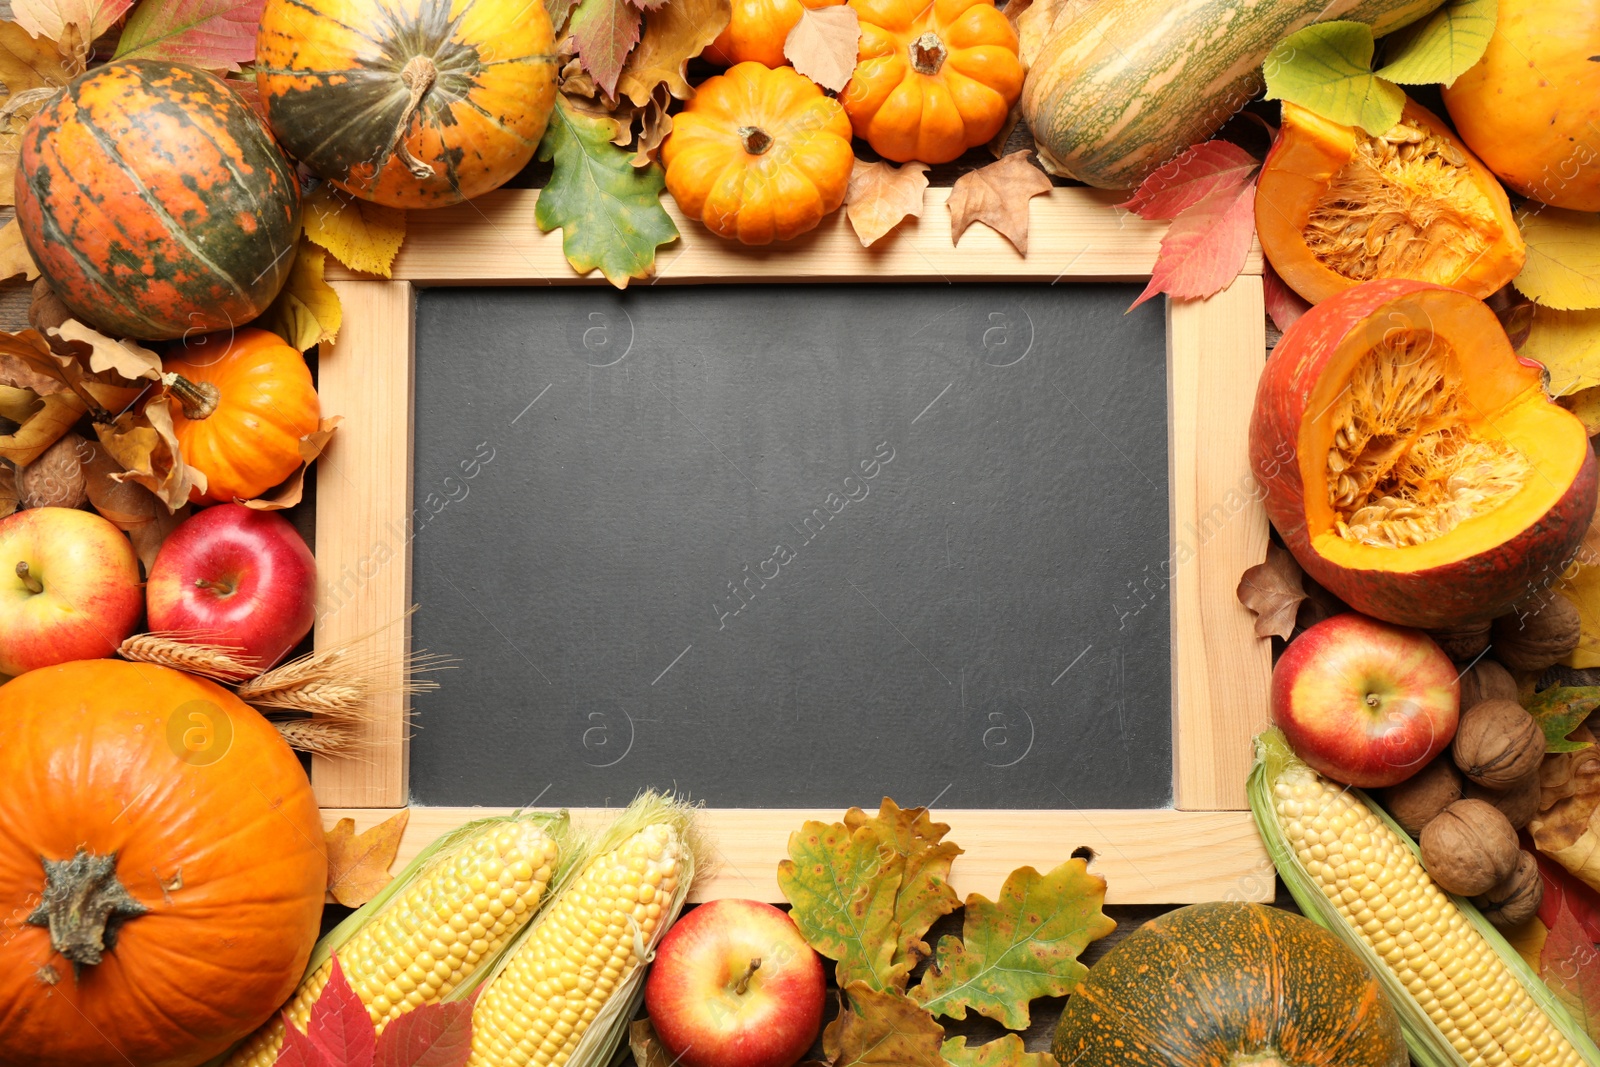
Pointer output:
x,y
1413,464
1336,206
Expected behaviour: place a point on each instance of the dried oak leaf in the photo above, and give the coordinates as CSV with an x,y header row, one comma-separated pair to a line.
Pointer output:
x,y
1273,591
604,32
129,359
129,506
884,1029
307,310
1567,828
358,233
841,883
923,894
1007,1051
1041,21
42,420
288,493
8,489
51,18
1569,963
144,444
823,45
31,70
1024,945
882,195
647,1049
46,312
655,122
15,259
672,36
1560,710
997,196
358,864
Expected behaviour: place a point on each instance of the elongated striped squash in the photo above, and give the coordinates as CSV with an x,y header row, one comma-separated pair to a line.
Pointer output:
x,y
1129,84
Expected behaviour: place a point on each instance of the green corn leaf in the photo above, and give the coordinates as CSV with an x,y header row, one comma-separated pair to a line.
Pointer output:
x,y
1444,46
1327,68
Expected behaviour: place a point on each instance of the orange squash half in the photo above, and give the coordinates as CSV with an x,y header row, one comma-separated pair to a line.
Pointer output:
x,y
1336,206
1411,460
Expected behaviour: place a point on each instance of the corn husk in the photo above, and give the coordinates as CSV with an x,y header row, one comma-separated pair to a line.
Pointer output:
x,y
609,1030
1427,1045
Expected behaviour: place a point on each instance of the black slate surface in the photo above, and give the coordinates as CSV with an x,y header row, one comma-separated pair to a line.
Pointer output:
x,y
793,546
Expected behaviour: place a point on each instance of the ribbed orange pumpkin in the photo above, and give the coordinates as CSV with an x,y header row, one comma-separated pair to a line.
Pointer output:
x,y
757,29
190,831
412,105
247,400
759,155
932,79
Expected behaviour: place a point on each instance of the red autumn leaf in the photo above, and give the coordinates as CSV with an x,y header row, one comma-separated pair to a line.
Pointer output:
x,y
1570,966
434,1035
1283,303
1561,889
340,1025
300,1051
604,32
1206,245
1189,179
210,34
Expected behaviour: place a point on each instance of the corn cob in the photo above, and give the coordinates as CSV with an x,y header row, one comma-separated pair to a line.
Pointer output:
x,y
566,990
454,910
1465,997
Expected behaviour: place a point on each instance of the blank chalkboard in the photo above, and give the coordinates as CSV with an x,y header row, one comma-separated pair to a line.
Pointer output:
x,y
792,546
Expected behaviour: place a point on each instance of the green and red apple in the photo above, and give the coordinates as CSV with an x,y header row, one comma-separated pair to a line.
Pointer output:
x,y
1365,702
734,984
69,588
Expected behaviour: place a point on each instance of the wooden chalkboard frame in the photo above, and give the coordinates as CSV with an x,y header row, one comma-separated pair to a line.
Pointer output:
x,y
1204,848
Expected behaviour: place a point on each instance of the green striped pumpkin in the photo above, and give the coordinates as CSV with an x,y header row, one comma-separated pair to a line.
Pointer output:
x,y
1129,84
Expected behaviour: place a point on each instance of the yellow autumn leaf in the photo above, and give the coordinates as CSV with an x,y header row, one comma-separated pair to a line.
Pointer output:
x,y
360,234
1568,344
1585,404
30,72
15,261
1563,267
307,310
673,35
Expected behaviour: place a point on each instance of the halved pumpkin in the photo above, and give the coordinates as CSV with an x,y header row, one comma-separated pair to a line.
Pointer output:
x,y
1336,206
1411,460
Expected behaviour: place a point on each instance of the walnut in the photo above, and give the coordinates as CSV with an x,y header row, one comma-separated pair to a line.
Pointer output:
x,y
1463,644
1498,744
1415,801
1486,680
1538,633
55,479
1515,900
1519,803
1469,848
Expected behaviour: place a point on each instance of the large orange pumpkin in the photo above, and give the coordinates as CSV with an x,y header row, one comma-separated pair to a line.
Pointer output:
x,y
932,79
247,399
185,830
411,105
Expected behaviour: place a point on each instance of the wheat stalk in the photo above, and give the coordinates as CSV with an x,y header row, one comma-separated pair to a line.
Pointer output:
x,y
318,736
189,652
339,682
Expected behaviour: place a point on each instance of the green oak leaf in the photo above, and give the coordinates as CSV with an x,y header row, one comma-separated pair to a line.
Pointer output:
x,y
1561,710
609,211
841,884
1007,1051
1024,945
1442,47
924,894
1327,68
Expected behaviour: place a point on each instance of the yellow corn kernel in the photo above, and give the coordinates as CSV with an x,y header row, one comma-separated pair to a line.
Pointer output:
x,y
539,1007
1455,975
415,949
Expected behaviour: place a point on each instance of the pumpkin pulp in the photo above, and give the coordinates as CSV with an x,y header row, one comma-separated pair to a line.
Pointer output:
x,y
1337,206
1430,451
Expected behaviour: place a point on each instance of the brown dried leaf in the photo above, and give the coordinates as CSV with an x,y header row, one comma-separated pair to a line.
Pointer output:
x,y
998,196
1273,591
1567,828
885,1029
46,312
823,45
8,489
654,125
358,864
1040,21
882,195
146,447
288,494
28,65
647,1049
130,359
672,36
129,506
15,260
48,373
45,419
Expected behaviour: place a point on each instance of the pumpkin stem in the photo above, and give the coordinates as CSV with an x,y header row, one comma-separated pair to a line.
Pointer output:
x,y
33,584
744,979
755,139
198,399
84,906
928,54
419,75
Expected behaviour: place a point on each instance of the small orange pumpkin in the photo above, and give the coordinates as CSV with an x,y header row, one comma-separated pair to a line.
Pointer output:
x,y
758,29
759,154
247,400
932,79
162,868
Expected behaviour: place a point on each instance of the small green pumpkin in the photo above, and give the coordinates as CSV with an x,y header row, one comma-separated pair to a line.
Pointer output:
x,y
1230,985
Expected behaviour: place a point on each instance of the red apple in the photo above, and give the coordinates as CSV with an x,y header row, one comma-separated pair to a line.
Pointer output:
x,y
239,577
735,985
1365,702
69,588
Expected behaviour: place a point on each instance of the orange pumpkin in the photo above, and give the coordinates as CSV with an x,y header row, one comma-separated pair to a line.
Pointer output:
x,y
759,154
757,30
247,400
176,847
932,79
